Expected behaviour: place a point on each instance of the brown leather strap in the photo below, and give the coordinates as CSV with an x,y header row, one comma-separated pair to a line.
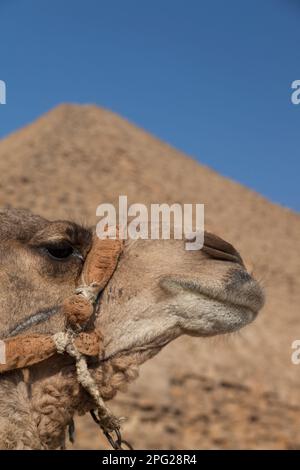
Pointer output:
x,y
102,261
26,350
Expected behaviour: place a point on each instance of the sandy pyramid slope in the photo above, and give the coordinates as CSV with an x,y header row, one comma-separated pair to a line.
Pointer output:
x,y
238,391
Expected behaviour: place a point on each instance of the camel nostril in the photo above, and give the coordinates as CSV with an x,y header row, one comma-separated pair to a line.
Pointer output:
x,y
218,248
237,277
240,284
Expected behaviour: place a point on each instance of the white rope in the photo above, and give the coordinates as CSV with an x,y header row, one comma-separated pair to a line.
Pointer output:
x,y
64,342
90,292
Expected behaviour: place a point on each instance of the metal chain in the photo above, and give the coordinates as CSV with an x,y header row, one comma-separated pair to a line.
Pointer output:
x,y
116,442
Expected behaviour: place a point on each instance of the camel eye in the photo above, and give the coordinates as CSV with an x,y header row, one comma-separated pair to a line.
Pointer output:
x,y
59,251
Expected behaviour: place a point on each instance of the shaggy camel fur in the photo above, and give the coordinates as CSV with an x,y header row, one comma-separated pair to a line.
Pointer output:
x,y
158,292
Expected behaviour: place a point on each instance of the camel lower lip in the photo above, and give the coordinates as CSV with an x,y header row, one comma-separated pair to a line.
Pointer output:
x,y
231,298
235,305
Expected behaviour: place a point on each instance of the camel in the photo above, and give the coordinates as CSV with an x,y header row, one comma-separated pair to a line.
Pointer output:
x,y
158,292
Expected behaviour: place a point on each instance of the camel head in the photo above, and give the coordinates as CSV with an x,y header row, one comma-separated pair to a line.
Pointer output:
x,y
158,292
161,291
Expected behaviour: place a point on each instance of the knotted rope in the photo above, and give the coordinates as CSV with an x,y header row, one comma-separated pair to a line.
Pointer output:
x,y
64,342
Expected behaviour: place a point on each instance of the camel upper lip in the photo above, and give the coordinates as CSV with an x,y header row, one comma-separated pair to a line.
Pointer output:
x,y
247,294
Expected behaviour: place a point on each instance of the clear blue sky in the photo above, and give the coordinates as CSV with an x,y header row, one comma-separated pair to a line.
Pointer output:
x,y
210,77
